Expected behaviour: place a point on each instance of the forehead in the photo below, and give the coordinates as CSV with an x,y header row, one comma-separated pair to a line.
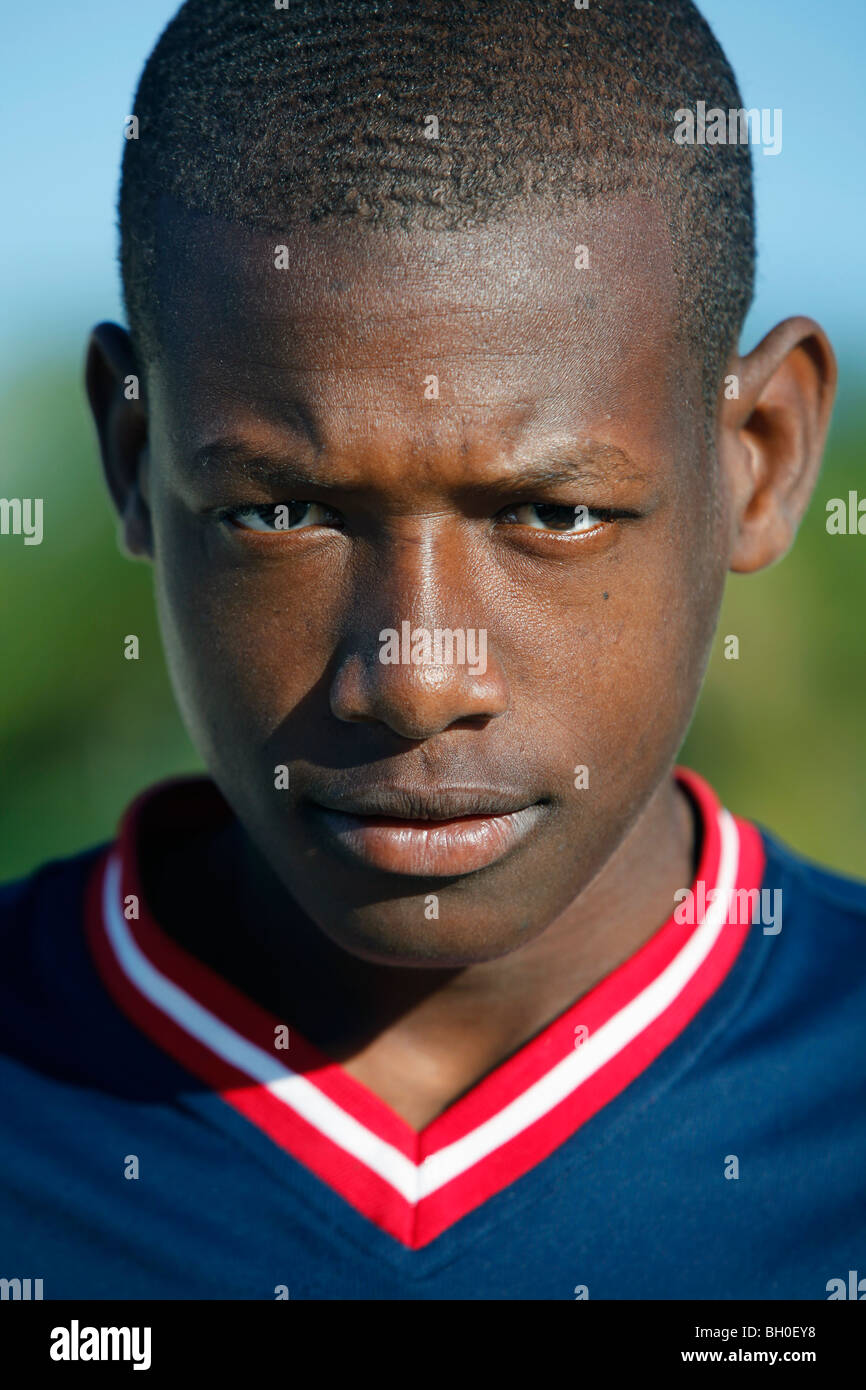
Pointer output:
x,y
561,320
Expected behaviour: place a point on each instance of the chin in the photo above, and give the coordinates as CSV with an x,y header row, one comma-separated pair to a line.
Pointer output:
x,y
399,933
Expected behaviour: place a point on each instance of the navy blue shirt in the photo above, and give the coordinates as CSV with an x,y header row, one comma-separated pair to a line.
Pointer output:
x,y
694,1127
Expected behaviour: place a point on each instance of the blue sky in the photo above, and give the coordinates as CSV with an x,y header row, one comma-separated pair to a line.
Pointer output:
x,y
68,71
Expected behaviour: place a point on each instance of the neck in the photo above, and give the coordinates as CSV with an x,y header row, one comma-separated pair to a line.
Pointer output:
x,y
421,1037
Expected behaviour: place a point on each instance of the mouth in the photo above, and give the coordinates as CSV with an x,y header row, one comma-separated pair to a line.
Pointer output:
x,y
443,834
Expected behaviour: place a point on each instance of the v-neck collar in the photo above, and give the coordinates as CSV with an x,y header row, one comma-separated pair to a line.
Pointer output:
x,y
415,1184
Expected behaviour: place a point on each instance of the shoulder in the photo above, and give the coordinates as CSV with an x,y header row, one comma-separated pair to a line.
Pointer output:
x,y
819,950
51,883
41,916
813,887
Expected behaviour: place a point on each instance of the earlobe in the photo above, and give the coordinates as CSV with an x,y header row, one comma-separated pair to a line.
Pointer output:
x,y
115,391
771,439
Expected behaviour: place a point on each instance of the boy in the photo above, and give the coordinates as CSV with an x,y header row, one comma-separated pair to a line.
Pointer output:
x,y
432,422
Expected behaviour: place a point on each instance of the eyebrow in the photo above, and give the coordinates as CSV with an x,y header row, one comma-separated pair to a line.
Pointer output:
x,y
230,455
590,462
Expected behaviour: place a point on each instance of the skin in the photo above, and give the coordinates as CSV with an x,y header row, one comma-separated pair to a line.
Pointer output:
x,y
597,641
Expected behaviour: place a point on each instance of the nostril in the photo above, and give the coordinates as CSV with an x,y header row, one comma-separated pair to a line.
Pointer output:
x,y
476,721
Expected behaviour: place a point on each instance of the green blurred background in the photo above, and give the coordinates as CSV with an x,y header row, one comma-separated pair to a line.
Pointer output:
x,y
779,731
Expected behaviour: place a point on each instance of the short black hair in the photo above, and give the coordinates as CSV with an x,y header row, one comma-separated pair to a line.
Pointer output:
x,y
316,111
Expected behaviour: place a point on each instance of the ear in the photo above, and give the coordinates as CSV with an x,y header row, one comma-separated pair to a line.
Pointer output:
x,y
115,387
771,440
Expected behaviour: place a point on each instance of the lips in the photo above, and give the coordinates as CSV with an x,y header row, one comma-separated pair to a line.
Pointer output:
x,y
427,834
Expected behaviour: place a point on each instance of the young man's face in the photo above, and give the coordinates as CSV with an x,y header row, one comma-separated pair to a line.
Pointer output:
x,y
559,388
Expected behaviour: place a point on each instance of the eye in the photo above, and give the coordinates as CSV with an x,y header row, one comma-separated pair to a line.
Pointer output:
x,y
277,517
550,516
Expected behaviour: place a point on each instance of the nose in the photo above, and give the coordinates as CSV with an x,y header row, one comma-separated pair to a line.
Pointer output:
x,y
419,659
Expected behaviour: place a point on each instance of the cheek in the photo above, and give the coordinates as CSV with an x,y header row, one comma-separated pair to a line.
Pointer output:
x,y
244,646
623,666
